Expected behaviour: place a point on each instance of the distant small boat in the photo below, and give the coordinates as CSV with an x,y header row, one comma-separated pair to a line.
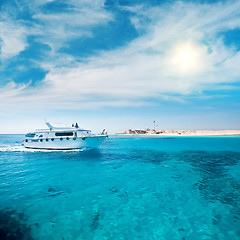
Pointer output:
x,y
63,138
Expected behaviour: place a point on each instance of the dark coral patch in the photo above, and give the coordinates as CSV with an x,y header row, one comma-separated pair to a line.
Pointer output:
x,y
13,226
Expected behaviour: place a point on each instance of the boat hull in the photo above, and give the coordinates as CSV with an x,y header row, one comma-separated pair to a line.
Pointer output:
x,y
66,143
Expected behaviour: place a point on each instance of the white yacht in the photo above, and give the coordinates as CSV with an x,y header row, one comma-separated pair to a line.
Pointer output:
x,y
63,138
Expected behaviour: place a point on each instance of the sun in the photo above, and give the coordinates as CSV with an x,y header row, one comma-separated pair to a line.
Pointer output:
x,y
186,58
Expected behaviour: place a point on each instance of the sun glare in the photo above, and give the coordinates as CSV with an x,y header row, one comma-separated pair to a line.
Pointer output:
x,y
186,58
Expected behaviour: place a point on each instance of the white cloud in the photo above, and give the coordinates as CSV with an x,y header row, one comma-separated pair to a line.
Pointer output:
x,y
10,90
55,29
13,39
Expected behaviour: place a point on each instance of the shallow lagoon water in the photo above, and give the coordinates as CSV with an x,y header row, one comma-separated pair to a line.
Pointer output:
x,y
129,188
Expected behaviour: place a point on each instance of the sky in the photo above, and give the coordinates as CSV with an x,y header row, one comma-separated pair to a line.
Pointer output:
x,y
120,64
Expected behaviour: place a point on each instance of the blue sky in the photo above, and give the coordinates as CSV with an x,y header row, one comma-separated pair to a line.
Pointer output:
x,y
120,64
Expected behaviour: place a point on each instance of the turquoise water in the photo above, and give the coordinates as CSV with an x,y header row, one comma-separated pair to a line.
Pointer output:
x,y
130,188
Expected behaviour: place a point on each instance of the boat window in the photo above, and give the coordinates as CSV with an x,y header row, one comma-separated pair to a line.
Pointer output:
x,y
30,135
60,134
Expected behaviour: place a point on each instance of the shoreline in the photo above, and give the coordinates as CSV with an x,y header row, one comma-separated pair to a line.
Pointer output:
x,y
190,133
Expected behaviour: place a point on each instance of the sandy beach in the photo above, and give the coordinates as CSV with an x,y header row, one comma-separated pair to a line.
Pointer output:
x,y
182,132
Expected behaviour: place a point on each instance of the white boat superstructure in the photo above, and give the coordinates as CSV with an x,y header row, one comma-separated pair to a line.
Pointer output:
x,y
63,138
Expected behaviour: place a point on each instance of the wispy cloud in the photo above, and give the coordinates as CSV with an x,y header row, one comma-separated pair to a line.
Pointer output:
x,y
11,90
56,29
13,38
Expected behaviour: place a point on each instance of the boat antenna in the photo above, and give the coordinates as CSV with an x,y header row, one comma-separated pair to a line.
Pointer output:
x,y
49,125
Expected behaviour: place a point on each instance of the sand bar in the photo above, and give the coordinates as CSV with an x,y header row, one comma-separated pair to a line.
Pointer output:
x,y
182,132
